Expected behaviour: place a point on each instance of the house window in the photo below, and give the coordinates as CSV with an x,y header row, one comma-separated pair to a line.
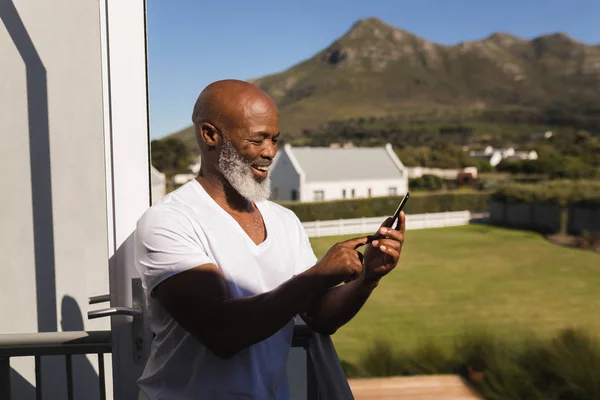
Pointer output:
x,y
369,192
353,193
294,194
318,195
392,191
343,193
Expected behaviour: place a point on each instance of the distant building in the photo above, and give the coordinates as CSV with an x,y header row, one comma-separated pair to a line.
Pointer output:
x,y
193,170
542,135
445,173
159,184
523,155
180,179
325,173
495,156
195,165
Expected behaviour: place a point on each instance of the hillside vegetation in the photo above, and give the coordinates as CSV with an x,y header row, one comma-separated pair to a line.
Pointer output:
x,y
378,76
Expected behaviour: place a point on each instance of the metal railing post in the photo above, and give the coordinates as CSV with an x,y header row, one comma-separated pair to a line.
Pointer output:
x,y
101,379
38,377
5,378
69,365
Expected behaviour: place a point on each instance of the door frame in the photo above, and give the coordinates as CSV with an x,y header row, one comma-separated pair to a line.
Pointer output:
x,y
127,164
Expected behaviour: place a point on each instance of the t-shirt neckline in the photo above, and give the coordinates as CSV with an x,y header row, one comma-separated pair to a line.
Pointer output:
x,y
259,206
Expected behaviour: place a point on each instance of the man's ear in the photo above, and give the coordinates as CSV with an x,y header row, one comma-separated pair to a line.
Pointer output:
x,y
209,134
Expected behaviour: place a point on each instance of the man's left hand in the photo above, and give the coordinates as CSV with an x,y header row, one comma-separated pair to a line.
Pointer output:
x,y
382,255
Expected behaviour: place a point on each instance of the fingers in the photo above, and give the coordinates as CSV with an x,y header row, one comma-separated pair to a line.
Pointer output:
x,y
394,244
352,259
390,251
355,242
402,224
388,246
390,233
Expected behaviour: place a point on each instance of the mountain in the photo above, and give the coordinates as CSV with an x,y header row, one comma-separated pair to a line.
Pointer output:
x,y
377,70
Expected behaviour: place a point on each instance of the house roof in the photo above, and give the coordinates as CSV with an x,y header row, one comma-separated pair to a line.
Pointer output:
x,y
356,163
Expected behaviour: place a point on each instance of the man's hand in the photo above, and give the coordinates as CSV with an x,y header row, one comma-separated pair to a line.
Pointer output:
x,y
382,255
341,263
340,304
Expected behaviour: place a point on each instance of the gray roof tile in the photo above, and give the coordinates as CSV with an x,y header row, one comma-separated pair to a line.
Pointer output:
x,y
337,164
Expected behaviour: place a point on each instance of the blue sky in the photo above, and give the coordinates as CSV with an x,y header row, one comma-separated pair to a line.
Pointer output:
x,y
192,43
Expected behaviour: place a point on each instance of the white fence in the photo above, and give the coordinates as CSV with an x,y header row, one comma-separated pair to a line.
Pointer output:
x,y
368,225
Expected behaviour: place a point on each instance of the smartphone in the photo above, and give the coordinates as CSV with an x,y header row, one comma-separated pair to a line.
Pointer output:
x,y
397,213
394,220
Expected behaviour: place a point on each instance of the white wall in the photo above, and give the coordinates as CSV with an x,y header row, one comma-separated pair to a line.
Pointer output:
x,y
417,172
53,235
333,190
284,177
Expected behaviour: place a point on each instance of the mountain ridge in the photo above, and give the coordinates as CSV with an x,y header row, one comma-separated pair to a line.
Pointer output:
x,y
375,69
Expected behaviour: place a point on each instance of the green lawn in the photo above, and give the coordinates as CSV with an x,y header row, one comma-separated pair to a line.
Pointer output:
x,y
455,279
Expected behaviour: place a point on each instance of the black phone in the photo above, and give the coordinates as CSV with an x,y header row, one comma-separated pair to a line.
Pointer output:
x,y
397,213
394,220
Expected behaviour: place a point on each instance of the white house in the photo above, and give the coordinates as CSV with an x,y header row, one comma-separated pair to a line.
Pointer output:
x,y
325,173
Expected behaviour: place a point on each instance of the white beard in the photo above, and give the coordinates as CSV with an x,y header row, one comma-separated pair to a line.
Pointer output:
x,y
237,172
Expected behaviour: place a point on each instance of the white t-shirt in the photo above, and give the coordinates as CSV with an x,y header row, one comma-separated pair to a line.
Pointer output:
x,y
188,228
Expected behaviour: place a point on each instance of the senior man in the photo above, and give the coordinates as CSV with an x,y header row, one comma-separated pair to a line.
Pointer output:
x,y
226,271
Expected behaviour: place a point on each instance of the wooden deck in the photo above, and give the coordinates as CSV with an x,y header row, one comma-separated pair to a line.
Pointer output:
x,y
430,387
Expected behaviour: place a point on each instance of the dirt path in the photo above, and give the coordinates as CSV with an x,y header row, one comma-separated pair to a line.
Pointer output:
x,y
431,387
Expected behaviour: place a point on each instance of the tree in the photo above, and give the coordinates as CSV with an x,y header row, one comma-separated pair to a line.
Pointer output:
x,y
170,156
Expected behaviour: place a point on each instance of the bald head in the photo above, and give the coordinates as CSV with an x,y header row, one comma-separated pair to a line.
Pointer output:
x,y
237,128
229,104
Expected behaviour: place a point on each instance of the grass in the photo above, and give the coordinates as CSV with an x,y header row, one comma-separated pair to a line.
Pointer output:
x,y
455,280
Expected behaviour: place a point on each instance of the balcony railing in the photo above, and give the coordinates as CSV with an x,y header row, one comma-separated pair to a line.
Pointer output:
x,y
38,345
319,359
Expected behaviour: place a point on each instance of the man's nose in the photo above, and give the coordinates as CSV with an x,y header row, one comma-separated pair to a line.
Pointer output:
x,y
270,150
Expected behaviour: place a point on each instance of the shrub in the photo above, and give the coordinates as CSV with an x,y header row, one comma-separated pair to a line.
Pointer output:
x,y
380,206
380,360
560,192
426,182
426,358
565,367
590,239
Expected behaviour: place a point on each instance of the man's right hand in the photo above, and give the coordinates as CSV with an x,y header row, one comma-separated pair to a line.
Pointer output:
x,y
341,263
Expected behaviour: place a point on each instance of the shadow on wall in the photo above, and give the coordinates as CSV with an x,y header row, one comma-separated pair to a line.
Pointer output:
x,y
85,377
41,187
39,156
54,379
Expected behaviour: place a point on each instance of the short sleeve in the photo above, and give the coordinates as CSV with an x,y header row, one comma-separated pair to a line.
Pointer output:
x,y
166,244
